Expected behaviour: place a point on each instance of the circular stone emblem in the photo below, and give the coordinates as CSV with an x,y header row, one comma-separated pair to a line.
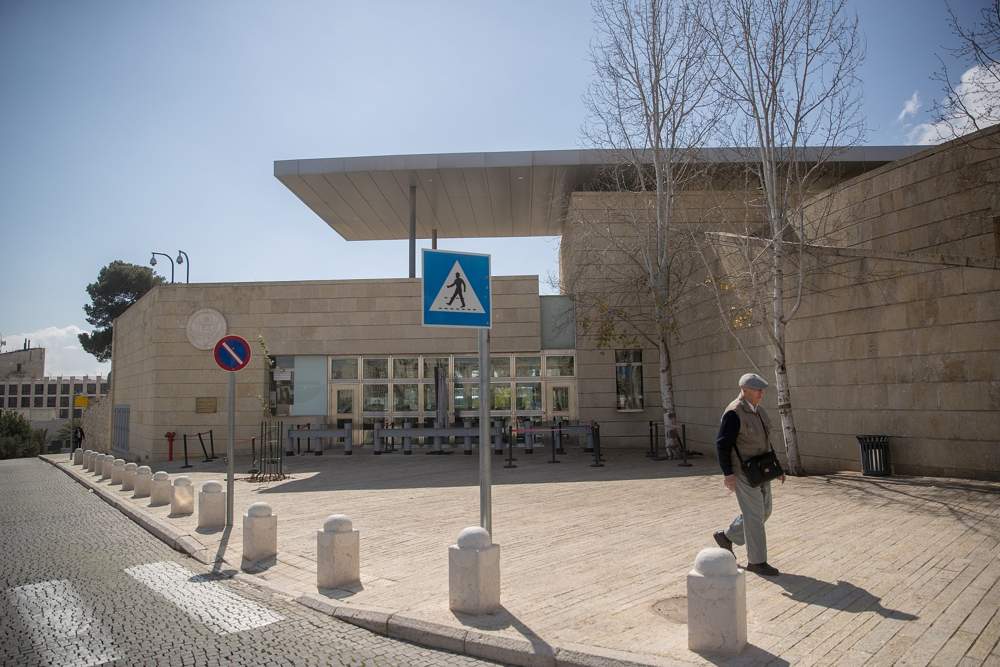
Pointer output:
x,y
205,327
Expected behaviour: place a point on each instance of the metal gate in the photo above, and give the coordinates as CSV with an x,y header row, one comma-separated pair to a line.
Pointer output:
x,y
119,434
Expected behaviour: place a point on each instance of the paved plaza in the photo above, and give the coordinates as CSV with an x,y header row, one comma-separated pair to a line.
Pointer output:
x,y
875,571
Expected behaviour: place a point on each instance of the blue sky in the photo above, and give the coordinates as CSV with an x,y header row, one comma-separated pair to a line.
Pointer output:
x,y
130,126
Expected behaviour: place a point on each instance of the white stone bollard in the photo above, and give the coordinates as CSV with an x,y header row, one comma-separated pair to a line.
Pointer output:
x,y
160,491
337,547
717,603
107,463
182,500
88,459
117,468
78,456
211,505
474,573
143,481
260,533
128,476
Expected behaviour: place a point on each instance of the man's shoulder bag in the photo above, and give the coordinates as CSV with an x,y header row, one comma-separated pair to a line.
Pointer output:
x,y
763,467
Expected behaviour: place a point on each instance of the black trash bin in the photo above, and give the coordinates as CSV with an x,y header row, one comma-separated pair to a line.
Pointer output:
x,y
875,460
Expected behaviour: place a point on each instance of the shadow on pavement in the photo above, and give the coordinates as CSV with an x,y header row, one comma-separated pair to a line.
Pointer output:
x,y
842,596
751,655
504,619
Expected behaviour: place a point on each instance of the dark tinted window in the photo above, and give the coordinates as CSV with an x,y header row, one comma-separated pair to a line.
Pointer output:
x,y
91,388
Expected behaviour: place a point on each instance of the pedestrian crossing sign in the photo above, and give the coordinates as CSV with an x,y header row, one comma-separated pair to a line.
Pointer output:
x,y
456,289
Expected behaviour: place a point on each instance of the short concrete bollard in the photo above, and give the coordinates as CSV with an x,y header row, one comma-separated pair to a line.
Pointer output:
x,y
337,547
260,533
78,456
182,500
128,476
107,463
717,604
211,505
474,573
87,459
143,481
160,491
117,468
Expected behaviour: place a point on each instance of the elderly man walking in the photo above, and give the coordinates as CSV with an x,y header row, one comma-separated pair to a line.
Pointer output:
x,y
745,433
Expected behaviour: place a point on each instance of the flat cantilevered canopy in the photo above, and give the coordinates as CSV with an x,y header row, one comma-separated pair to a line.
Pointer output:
x,y
469,195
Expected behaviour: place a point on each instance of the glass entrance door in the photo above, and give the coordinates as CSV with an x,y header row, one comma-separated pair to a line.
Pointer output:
x,y
344,407
561,399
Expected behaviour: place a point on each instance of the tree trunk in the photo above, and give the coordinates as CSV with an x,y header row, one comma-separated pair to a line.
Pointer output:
x,y
671,429
781,367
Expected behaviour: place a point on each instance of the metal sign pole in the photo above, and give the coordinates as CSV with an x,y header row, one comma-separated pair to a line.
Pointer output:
x,y
230,447
485,446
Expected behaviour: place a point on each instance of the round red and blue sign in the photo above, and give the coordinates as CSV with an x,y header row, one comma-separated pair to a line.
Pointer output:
x,y
232,353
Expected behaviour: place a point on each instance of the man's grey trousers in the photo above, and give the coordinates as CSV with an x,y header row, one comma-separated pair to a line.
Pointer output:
x,y
748,527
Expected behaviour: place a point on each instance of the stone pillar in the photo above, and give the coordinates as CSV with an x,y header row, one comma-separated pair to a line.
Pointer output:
x,y
211,505
128,476
117,468
78,456
88,458
260,533
160,491
182,499
143,481
337,547
717,604
107,463
474,573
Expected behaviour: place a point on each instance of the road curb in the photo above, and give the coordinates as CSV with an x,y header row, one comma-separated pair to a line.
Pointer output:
x,y
499,648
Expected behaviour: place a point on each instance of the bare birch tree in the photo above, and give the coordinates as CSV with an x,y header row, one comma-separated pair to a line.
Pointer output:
x,y
973,101
789,68
651,102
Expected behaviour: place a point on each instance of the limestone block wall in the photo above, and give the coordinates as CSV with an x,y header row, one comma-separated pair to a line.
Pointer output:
x,y
95,421
160,374
18,364
908,350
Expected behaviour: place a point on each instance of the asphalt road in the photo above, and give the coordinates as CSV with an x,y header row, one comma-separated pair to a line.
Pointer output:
x,y
84,585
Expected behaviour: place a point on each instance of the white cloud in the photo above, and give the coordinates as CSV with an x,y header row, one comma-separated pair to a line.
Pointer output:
x,y
910,107
979,92
63,354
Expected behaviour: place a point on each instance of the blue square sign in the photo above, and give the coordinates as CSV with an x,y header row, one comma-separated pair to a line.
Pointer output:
x,y
456,289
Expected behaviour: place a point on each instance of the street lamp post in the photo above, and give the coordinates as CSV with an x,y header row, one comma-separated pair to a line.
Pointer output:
x,y
152,262
182,258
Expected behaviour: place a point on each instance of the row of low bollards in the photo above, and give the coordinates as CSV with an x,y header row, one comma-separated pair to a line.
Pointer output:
x,y
716,587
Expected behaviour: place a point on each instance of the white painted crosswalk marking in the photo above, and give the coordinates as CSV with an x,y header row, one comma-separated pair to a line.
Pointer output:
x,y
202,598
62,628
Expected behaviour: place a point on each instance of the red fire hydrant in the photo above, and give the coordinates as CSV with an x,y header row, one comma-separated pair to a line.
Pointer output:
x,y
170,435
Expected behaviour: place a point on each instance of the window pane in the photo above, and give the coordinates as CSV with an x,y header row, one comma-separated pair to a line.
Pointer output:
x,y
345,401
63,414
12,402
560,399
39,401
25,401
52,388
430,363
104,388
78,388
91,388
376,369
466,368
559,366
39,389
467,396
64,401
344,369
500,367
50,402
406,368
628,356
430,398
375,398
3,389
25,390
628,378
64,389
529,396
77,413
500,397
529,367
405,398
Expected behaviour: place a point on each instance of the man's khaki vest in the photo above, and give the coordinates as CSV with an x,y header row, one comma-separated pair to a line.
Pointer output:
x,y
754,430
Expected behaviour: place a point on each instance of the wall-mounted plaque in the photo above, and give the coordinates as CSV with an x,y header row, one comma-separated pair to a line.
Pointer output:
x,y
206,405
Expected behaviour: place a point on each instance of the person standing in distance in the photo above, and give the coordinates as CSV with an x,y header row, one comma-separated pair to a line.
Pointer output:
x,y
745,426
